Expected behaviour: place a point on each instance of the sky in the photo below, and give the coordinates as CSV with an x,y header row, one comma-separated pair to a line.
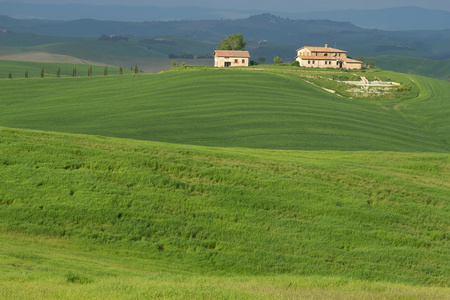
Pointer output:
x,y
274,6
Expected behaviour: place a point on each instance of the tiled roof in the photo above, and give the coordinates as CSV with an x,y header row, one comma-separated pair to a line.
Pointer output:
x,y
349,60
322,49
319,57
231,53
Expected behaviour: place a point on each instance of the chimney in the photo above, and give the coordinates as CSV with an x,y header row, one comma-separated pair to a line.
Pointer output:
x,y
326,45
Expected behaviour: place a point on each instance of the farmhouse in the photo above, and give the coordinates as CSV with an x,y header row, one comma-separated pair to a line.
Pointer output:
x,y
325,57
231,58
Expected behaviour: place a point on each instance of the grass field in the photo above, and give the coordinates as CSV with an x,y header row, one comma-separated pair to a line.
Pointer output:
x,y
274,109
235,183
150,53
104,209
413,65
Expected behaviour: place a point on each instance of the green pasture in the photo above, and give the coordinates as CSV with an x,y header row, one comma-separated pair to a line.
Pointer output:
x,y
28,270
251,183
413,65
273,109
149,52
83,215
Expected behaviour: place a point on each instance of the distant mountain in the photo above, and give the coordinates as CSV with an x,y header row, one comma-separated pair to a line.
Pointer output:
x,y
267,35
399,18
124,13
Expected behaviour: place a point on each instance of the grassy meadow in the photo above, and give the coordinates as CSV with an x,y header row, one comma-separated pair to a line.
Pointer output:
x,y
201,183
413,65
275,109
193,214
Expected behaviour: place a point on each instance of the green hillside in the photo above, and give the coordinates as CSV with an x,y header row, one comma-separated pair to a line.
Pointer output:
x,y
151,53
412,65
90,217
275,109
256,183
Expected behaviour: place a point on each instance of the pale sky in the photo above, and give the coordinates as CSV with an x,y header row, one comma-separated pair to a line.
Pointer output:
x,y
272,6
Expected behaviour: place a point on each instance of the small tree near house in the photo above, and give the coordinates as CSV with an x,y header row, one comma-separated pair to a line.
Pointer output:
x,y
277,60
232,42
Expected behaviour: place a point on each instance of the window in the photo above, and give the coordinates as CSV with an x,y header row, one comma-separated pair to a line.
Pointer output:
x,y
314,61
243,61
309,62
235,61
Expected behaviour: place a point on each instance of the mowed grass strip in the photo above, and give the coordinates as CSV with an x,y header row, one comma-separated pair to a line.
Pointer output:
x,y
362,215
227,108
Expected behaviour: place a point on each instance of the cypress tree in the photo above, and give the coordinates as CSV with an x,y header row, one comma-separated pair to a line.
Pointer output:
x,y
10,75
26,74
120,71
58,72
42,73
136,69
74,72
105,71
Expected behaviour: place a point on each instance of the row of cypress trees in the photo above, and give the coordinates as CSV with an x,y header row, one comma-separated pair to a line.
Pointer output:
x,y
74,72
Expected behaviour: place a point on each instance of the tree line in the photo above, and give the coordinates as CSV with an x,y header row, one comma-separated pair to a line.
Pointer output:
x,y
75,72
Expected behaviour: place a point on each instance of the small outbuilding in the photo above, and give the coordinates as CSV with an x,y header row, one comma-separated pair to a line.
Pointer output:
x,y
231,58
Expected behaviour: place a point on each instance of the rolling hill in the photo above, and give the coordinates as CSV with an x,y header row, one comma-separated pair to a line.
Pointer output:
x,y
271,29
204,183
80,215
395,18
413,65
274,109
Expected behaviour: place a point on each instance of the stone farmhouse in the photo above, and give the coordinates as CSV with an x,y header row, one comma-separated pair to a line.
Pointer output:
x,y
325,57
231,58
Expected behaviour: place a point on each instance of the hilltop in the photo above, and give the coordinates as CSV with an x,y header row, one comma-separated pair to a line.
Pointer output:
x,y
277,108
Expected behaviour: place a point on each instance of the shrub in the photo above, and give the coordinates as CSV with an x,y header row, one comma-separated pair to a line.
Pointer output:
x,y
277,60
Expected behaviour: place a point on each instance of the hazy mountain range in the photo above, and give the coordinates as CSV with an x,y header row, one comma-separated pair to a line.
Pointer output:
x,y
401,18
268,35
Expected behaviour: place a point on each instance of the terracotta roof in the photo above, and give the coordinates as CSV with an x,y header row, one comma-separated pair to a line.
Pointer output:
x,y
231,53
354,61
322,49
319,57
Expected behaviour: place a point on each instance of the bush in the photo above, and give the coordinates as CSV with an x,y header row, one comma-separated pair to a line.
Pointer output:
x,y
277,60
295,63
